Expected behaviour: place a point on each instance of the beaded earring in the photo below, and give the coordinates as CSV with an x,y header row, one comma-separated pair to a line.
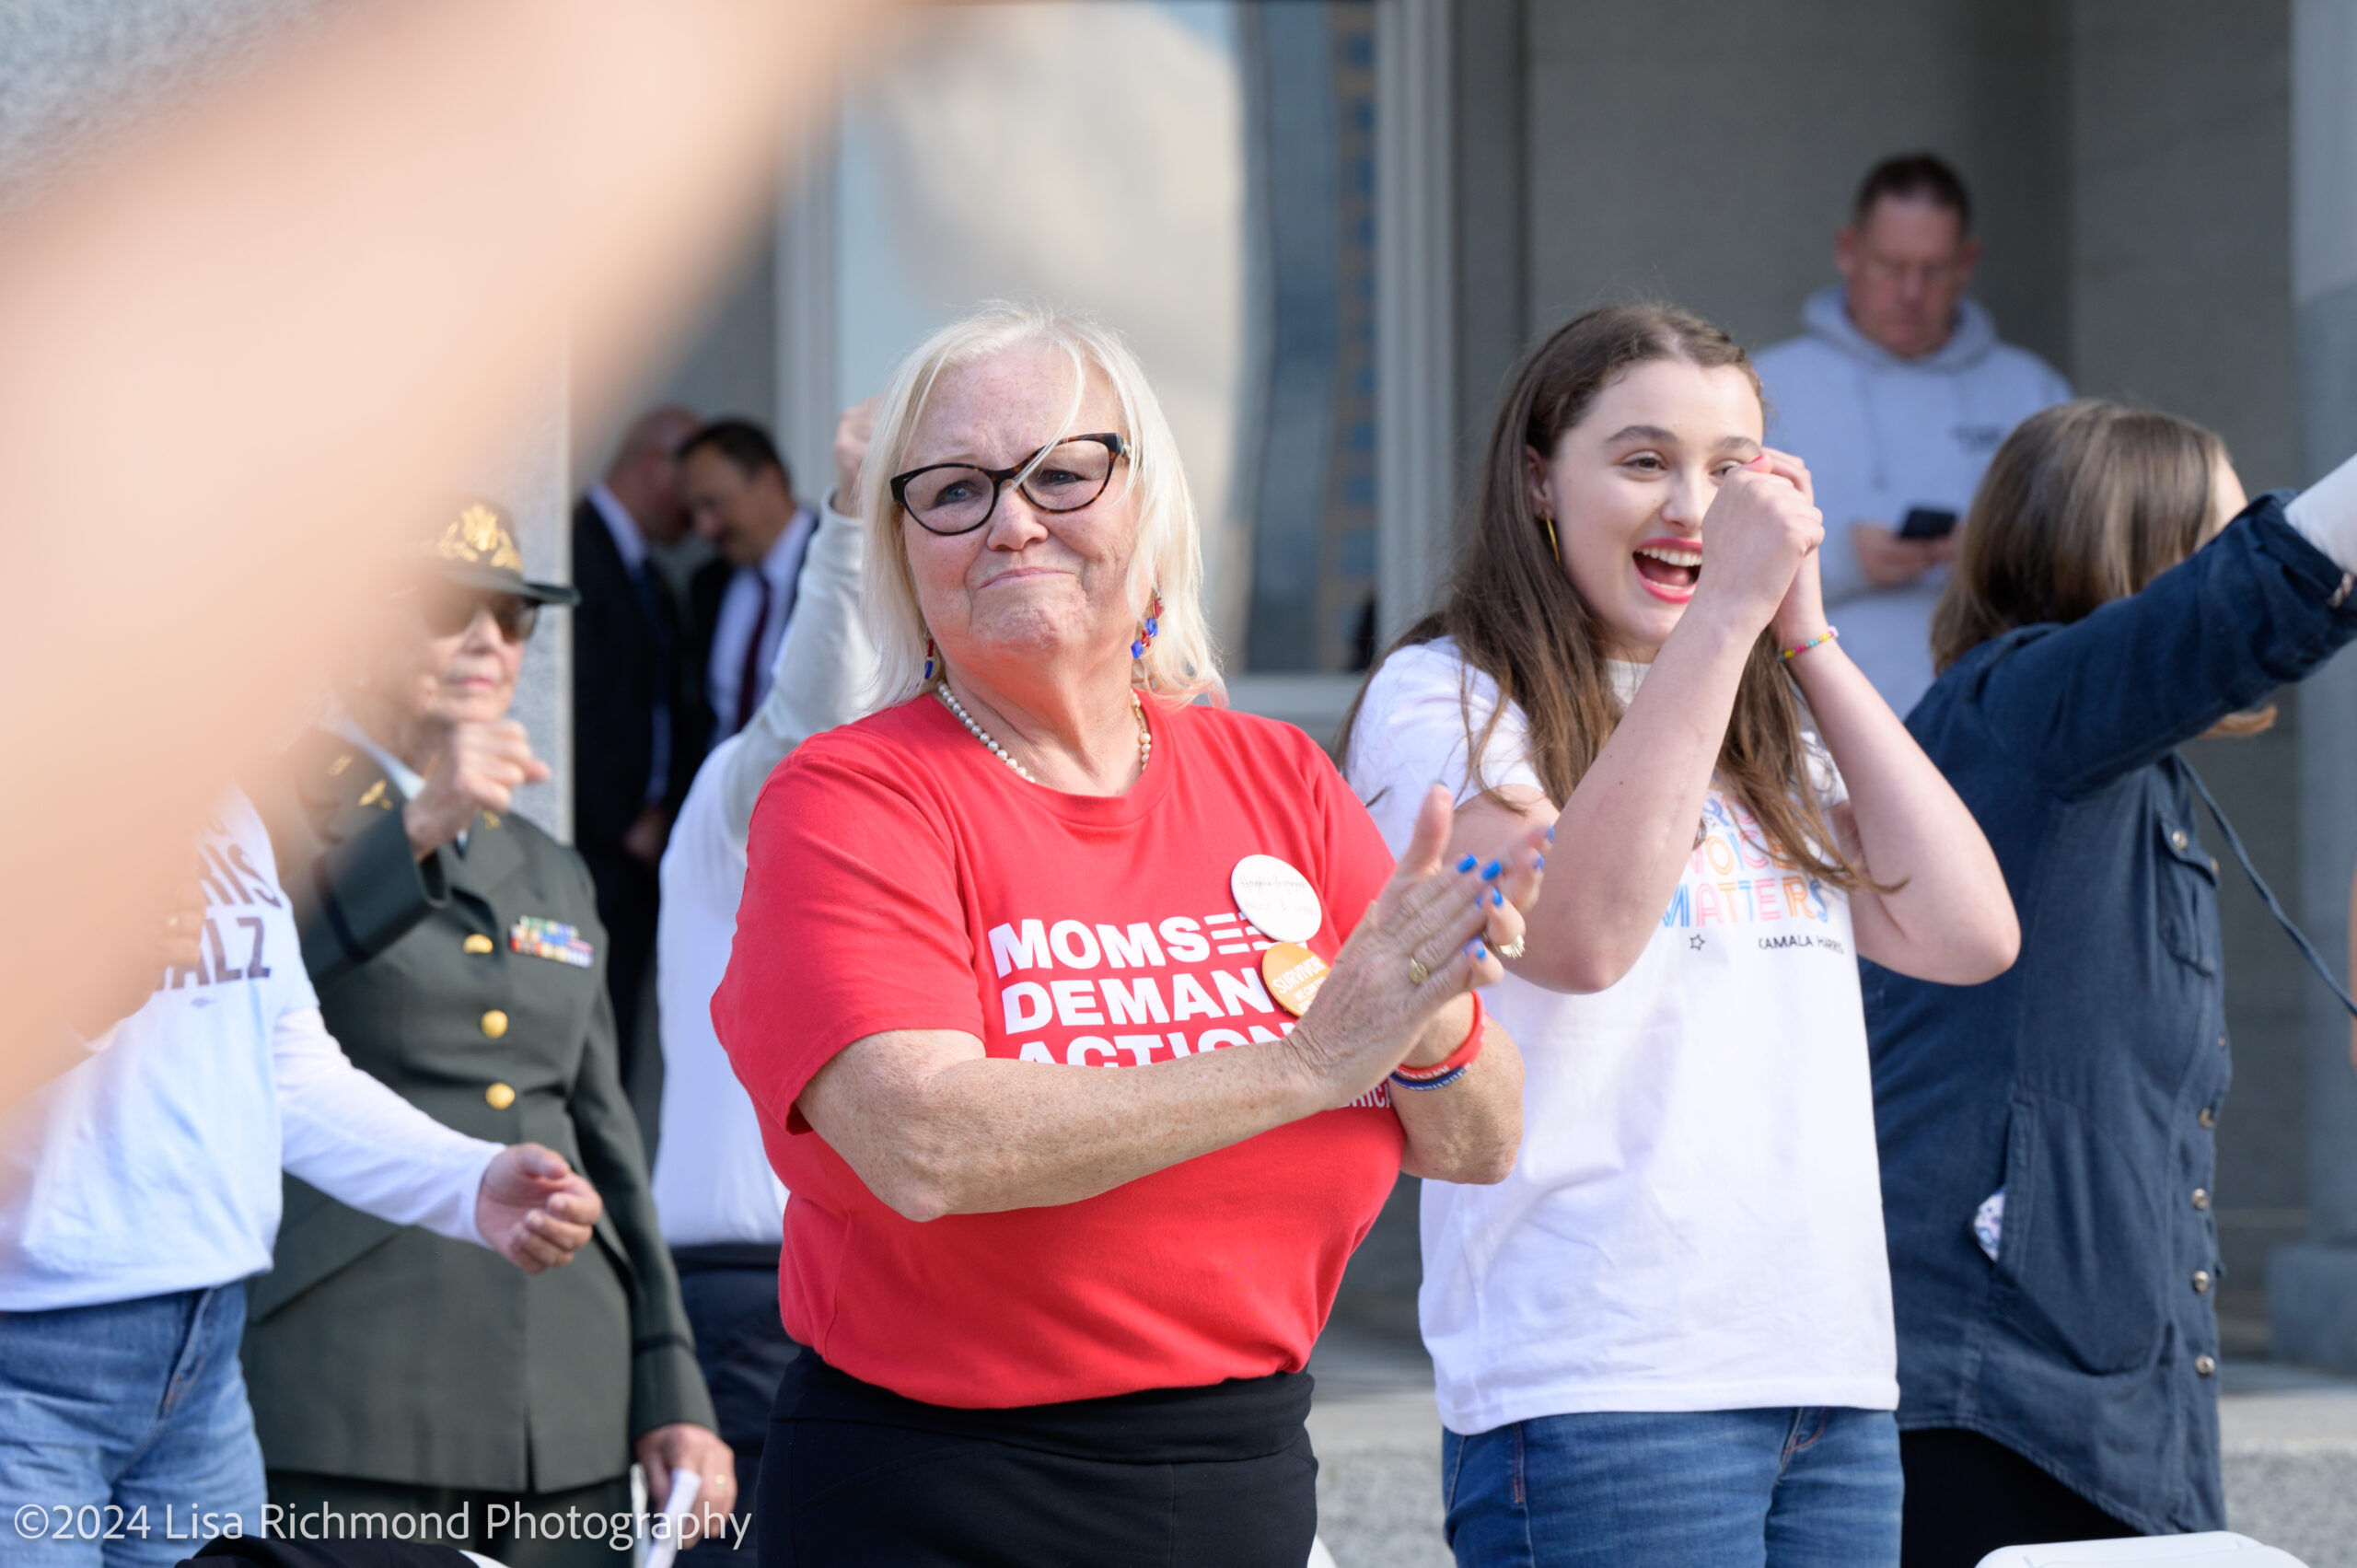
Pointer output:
x,y
1153,626
930,663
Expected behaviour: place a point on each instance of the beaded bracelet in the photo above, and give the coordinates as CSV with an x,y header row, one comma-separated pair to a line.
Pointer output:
x,y
1442,1073
1828,635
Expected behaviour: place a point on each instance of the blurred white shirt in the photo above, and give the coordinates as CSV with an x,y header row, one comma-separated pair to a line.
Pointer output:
x,y
154,1166
712,1181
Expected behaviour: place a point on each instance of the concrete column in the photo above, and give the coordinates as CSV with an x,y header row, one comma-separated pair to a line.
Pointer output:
x,y
2312,1287
808,397
1490,172
531,478
1415,296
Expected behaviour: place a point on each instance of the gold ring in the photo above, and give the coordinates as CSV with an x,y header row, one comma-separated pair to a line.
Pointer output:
x,y
1513,950
1417,973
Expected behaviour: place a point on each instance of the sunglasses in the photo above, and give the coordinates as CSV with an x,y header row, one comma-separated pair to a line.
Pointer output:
x,y
449,613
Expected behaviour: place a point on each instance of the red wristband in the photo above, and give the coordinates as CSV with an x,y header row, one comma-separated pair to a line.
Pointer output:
x,y
1462,1057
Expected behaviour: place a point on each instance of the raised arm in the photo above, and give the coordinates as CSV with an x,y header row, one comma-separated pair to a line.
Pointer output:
x,y
825,673
1947,916
1629,826
2263,604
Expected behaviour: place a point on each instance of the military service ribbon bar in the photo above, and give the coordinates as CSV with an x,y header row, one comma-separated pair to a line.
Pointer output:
x,y
544,938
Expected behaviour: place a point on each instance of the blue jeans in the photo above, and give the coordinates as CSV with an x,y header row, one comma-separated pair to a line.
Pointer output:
x,y
125,1439
1786,1488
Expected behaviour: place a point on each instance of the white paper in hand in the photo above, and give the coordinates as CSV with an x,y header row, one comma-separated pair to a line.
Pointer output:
x,y
664,1533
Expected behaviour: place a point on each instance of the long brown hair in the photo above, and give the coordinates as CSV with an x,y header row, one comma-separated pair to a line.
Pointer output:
x,y
1516,617
2085,502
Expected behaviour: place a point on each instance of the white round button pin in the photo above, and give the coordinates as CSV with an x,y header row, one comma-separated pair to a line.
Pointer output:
x,y
1276,898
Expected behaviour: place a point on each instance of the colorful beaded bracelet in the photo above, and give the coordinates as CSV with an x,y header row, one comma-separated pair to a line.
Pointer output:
x,y
1828,635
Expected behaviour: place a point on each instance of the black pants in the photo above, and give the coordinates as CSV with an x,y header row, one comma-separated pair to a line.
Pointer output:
x,y
855,1475
742,1348
1969,1496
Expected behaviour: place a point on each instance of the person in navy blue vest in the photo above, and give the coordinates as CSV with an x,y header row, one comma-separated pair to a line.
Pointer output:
x,y
2047,1138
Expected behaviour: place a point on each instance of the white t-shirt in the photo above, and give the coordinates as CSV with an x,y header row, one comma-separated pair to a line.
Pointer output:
x,y
1695,1219
712,1180
154,1166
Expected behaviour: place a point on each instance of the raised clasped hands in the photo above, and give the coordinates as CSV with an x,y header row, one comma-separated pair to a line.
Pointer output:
x,y
1444,922
1760,543
479,769
534,1209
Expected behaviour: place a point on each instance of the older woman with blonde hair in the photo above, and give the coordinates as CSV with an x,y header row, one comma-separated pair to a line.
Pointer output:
x,y
1088,1026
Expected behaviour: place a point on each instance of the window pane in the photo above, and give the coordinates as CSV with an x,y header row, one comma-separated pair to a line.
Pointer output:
x,y
1308,443
1200,174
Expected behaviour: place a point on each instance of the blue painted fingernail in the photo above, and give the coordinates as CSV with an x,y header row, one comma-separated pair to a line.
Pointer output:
x,y
1497,897
1476,951
1539,862
1490,872
1468,862
1550,834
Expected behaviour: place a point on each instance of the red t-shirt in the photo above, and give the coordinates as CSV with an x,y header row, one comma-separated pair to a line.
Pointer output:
x,y
902,877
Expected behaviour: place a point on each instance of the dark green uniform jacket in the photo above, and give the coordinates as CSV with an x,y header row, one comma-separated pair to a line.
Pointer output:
x,y
395,1355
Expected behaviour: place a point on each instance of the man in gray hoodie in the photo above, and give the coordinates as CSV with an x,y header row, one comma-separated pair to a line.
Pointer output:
x,y
1896,397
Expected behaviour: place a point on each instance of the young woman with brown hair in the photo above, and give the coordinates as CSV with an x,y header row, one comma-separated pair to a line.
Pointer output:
x,y
2047,1141
1666,1336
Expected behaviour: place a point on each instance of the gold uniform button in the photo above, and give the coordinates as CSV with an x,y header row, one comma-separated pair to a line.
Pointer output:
x,y
494,1023
2214,866
2200,1199
2209,1116
478,942
2202,1282
2176,839
499,1097
2206,1364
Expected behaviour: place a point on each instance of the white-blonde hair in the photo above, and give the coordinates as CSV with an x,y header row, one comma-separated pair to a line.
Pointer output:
x,y
1167,558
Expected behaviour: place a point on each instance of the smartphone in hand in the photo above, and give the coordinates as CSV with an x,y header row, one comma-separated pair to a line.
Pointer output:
x,y
1927,523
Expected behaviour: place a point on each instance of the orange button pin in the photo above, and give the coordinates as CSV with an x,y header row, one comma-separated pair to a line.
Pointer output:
x,y
1294,974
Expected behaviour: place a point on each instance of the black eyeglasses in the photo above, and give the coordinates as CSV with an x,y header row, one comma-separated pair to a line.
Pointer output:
x,y
955,499
451,611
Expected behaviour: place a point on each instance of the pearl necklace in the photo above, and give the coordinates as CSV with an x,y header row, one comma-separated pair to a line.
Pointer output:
x,y
941,690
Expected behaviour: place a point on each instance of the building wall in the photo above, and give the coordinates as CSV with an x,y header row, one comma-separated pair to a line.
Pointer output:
x,y
726,364
2181,296
1706,150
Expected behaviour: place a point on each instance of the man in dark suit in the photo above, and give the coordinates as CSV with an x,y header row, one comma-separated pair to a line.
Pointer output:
x,y
639,723
739,497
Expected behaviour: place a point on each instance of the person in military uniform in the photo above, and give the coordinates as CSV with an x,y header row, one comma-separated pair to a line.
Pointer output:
x,y
457,956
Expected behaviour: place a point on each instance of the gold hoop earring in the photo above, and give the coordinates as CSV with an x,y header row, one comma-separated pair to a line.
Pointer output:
x,y
1554,548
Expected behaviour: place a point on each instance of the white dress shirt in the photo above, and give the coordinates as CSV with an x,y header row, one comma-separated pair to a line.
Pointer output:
x,y
734,625
154,1166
